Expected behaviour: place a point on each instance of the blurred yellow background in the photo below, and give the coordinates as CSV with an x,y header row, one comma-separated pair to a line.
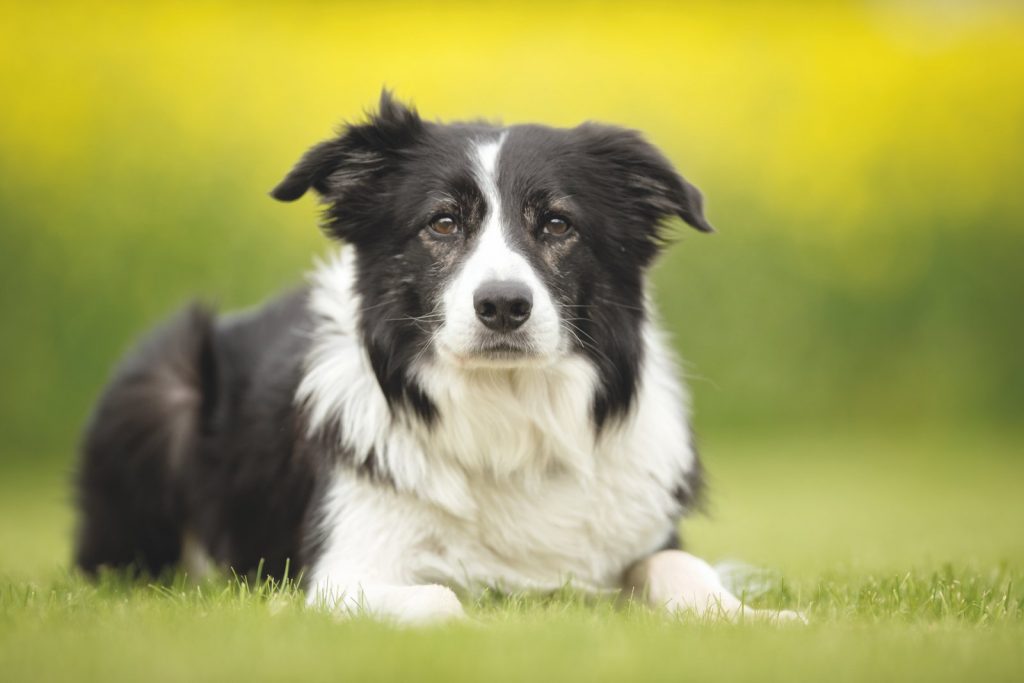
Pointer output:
x,y
862,162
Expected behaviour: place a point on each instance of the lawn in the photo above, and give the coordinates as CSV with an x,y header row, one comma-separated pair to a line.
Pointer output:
x,y
861,163
905,553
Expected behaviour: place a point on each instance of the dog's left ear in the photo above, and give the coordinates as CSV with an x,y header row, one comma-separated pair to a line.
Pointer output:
x,y
639,169
336,167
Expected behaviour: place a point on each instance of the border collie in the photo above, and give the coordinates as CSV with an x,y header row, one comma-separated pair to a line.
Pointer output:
x,y
474,393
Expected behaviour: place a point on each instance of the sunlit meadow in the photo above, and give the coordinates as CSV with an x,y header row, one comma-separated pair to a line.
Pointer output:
x,y
853,332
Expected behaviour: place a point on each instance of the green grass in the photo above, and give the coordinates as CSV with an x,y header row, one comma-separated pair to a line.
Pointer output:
x,y
904,553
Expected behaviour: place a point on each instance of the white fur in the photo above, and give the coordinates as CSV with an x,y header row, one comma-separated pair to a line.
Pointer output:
x,y
508,489
493,258
683,583
196,562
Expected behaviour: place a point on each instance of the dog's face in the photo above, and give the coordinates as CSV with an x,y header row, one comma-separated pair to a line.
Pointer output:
x,y
496,248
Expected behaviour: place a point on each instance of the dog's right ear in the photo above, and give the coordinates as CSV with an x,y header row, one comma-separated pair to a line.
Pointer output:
x,y
360,154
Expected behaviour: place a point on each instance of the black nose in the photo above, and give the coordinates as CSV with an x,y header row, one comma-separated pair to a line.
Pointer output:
x,y
503,305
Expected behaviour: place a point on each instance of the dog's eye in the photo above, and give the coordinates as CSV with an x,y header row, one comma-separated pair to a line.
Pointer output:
x,y
444,226
556,226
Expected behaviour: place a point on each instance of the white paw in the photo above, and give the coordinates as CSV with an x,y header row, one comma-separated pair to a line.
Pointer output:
x,y
404,605
772,616
424,605
788,615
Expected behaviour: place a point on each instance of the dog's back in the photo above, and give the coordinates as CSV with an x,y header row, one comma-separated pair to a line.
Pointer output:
x,y
154,447
146,423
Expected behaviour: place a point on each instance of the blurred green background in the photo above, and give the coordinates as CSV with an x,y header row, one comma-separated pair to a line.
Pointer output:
x,y
853,334
861,161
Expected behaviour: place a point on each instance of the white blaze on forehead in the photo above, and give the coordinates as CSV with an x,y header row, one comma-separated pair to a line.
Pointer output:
x,y
487,163
494,258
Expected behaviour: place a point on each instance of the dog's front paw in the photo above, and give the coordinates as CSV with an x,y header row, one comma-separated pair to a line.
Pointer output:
x,y
417,605
791,616
426,605
771,616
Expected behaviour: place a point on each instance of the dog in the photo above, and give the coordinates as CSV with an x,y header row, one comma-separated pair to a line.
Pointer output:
x,y
473,393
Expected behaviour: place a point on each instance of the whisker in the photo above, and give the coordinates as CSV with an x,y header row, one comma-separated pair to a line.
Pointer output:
x,y
370,308
585,334
573,330
414,318
607,302
426,345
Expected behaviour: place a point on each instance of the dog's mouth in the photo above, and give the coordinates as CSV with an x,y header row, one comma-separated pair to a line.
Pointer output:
x,y
503,352
509,351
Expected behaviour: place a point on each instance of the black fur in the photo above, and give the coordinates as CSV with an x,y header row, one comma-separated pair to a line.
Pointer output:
x,y
148,420
198,431
382,181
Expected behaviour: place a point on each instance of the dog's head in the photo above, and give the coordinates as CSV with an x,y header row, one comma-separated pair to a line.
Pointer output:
x,y
490,248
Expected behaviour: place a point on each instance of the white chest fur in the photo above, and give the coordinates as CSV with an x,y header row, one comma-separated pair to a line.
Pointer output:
x,y
510,487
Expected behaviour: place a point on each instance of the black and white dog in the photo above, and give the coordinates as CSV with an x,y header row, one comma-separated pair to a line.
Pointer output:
x,y
473,393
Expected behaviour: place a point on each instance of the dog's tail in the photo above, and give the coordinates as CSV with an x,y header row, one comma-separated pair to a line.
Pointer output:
x,y
145,427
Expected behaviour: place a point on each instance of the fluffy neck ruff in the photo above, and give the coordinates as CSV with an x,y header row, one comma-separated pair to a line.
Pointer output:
x,y
496,423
